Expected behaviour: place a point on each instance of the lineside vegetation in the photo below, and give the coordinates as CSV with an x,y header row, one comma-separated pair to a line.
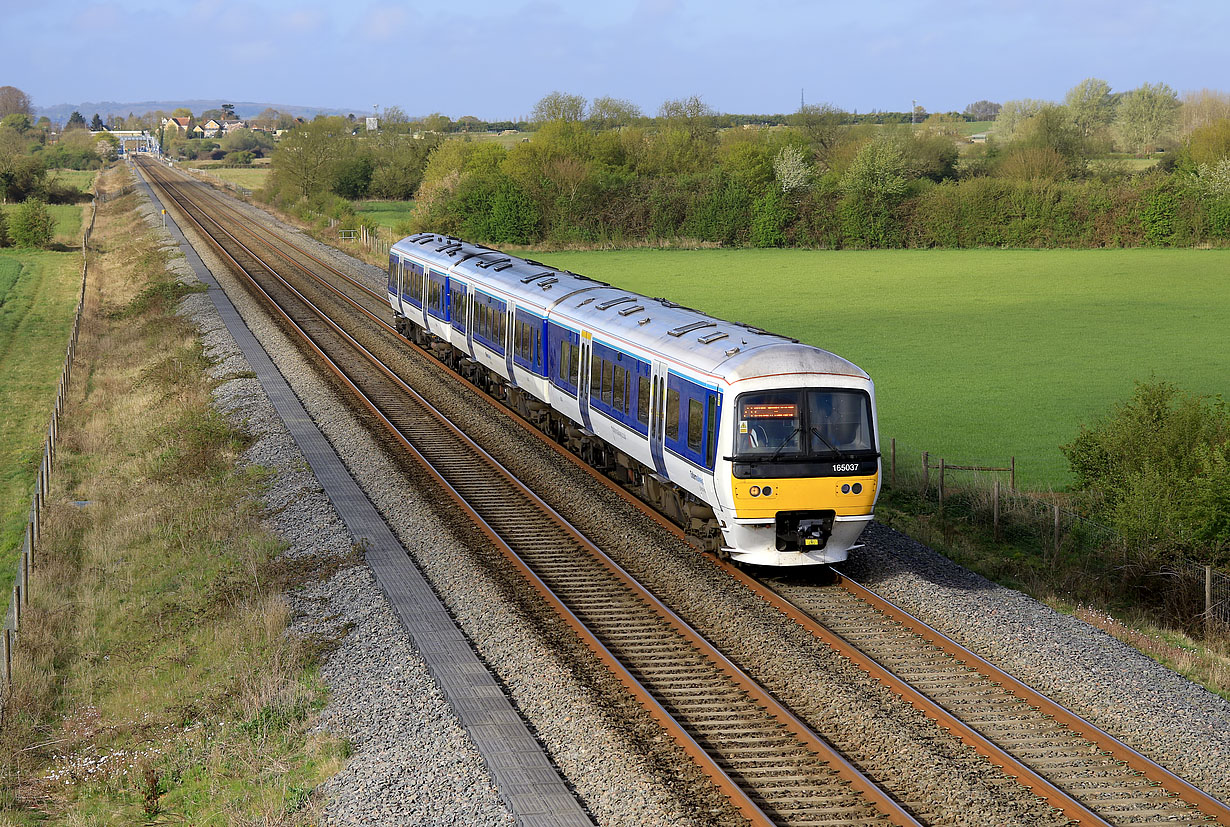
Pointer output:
x,y
154,681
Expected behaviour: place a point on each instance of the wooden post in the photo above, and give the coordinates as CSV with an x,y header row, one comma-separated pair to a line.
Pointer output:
x,y
1056,530
941,485
995,509
25,578
894,443
30,540
8,658
16,607
1208,600
1012,478
926,471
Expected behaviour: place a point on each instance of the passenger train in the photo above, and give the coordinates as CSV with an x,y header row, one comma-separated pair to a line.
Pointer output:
x,y
763,449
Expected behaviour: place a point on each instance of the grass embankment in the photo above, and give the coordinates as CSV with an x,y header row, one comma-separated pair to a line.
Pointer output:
x,y
38,294
153,679
386,213
977,355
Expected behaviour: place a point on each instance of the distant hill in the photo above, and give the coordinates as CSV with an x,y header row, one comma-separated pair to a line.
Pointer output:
x,y
243,109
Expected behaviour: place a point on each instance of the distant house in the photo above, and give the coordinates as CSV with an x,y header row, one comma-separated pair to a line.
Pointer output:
x,y
211,128
978,138
228,127
177,124
196,131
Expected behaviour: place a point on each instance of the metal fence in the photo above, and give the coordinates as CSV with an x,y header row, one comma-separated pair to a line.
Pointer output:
x,y
31,546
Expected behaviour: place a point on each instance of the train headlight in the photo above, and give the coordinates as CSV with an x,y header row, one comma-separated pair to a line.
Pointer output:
x,y
845,489
767,490
857,488
754,490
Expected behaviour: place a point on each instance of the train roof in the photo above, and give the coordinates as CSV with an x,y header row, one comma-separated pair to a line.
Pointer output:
x,y
730,350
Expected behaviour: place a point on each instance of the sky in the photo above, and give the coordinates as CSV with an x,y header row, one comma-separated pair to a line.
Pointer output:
x,y
495,58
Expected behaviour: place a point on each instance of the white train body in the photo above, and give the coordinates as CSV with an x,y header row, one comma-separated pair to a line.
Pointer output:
x,y
764,448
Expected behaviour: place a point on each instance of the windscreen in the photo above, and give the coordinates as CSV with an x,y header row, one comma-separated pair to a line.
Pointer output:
x,y
803,423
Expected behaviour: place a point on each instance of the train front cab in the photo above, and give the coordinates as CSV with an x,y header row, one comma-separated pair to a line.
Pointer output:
x,y
804,474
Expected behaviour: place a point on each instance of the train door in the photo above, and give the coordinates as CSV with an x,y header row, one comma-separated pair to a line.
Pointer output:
x,y
587,346
472,300
509,319
657,416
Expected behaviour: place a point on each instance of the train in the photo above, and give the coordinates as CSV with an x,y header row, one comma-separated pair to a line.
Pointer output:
x,y
763,449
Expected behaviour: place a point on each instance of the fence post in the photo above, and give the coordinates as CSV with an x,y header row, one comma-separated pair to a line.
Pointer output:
x,y
1012,478
926,471
995,509
1057,531
8,659
941,485
30,538
16,607
25,578
894,442
1208,600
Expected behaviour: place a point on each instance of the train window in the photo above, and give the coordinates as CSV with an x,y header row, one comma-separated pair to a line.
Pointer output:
x,y
574,363
537,347
696,422
595,375
606,381
642,399
711,406
672,413
617,397
563,360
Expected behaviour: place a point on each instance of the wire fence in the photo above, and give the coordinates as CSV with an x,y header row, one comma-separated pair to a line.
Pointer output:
x,y
31,546
987,495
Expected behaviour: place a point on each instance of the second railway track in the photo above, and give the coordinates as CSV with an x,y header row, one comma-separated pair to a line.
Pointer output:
x,y
1097,788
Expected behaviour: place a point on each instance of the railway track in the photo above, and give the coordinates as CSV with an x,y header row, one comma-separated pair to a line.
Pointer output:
x,y
1075,767
771,766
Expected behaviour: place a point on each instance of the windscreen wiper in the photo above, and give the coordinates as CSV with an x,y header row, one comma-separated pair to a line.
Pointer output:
x,y
831,446
789,437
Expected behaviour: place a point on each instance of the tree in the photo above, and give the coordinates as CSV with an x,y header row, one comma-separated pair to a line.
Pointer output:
x,y
4,229
394,119
1090,105
32,225
692,115
75,121
1047,146
1158,470
1203,108
558,106
1210,143
435,122
1014,113
1147,116
228,111
613,113
96,125
822,126
20,176
306,154
17,121
791,170
13,100
982,110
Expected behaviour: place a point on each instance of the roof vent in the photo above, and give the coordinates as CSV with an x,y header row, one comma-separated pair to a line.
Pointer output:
x,y
628,311
712,337
528,279
486,264
645,320
732,351
607,305
688,328
587,301
545,284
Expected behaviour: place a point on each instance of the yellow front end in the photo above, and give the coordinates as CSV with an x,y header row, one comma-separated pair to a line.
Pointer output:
x,y
804,494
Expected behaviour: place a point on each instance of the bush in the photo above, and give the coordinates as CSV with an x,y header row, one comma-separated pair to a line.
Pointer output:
x,y
4,229
1158,472
32,225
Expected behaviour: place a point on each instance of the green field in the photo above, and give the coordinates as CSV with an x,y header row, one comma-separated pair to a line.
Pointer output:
x,y
386,213
251,177
80,179
38,294
977,355
68,219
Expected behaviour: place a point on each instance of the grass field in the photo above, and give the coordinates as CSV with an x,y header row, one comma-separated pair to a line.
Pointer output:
x,y
387,213
251,177
38,293
977,355
68,221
